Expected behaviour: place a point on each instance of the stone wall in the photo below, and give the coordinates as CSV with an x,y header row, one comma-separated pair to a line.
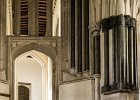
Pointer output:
x,y
80,90
4,91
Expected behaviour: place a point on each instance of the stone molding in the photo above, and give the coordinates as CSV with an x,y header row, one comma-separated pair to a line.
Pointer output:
x,y
97,76
15,42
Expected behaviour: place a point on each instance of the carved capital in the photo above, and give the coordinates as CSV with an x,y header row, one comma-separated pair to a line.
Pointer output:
x,y
127,20
130,22
113,21
133,23
95,28
120,20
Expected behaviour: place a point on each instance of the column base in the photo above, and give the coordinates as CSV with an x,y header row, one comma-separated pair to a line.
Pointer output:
x,y
86,73
79,75
133,87
121,96
119,87
105,89
72,70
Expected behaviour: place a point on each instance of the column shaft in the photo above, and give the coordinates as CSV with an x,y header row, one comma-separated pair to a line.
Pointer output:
x,y
3,41
72,33
115,63
127,57
79,36
85,35
135,61
106,58
122,50
97,53
130,50
134,57
76,34
97,88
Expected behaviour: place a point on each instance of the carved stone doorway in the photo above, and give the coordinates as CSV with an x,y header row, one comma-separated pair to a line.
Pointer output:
x,y
49,46
35,68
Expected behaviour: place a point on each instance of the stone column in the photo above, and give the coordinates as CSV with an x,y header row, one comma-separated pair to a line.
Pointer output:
x,y
135,53
106,55
132,35
72,36
122,50
117,24
78,36
85,35
97,86
3,41
127,24
114,50
95,31
17,14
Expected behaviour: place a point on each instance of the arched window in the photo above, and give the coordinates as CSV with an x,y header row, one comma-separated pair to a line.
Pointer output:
x,y
23,93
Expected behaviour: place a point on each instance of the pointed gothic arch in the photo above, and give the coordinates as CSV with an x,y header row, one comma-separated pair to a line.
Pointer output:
x,y
49,47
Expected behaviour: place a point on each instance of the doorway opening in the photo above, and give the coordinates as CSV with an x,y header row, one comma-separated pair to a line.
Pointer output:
x,y
33,71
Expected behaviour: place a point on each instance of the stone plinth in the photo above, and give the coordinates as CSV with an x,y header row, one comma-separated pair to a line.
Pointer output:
x,y
121,96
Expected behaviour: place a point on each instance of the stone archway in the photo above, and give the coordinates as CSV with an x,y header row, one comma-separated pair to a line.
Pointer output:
x,y
34,68
47,46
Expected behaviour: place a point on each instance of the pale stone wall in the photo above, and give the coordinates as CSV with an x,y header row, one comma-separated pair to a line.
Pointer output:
x,y
121,96
4,89
76,91
4,98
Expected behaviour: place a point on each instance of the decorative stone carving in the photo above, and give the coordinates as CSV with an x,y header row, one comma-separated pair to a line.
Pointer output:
x,y
16,43
127,20
95,28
